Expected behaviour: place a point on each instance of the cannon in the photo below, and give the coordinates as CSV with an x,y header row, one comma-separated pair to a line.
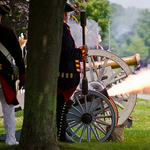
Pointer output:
x,y
90,115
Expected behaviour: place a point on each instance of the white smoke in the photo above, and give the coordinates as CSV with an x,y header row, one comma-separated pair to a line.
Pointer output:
x,y
91,33
124,22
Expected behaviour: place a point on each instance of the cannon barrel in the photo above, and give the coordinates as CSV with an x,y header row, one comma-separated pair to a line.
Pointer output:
x,y
131,61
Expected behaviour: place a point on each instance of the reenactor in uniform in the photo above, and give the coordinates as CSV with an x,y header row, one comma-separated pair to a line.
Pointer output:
x,y
9,47
69,73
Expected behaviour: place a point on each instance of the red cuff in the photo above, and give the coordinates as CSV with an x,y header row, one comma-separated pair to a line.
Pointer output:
x,y
82,50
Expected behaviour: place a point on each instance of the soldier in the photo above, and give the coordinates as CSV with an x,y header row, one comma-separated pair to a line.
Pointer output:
x,y
69,72
9,47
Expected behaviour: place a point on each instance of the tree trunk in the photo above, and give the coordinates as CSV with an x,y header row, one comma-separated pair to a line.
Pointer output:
x,y
44,46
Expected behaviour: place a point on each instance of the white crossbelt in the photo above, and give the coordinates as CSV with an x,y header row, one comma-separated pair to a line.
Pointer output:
x,y
6,53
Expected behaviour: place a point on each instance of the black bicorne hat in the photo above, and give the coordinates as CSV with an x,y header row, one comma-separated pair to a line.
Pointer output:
x,y
4,10
69,8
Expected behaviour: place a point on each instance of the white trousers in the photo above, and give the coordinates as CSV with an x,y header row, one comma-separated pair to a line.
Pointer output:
x,y
9,119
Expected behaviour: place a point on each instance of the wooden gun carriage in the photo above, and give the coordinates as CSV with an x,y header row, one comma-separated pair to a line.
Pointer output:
x,y
91,115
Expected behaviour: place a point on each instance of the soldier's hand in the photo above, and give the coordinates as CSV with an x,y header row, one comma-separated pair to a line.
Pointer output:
x,y
86,49
85,58
21,84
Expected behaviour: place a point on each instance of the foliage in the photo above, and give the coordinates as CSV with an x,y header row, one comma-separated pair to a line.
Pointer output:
x,y
137,46
18,19
142,27
97,10
130,32
124,26
133,46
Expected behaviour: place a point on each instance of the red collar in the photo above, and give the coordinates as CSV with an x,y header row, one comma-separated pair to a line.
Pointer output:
x,y
67,25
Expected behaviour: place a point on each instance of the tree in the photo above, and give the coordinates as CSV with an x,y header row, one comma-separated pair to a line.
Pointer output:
x,y
18,19
130,32
137,46
142,28
44,45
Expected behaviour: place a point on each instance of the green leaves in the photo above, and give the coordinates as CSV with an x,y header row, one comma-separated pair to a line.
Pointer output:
x,y
18,19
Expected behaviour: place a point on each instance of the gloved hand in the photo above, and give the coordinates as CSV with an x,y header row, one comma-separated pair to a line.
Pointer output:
x,y
21,84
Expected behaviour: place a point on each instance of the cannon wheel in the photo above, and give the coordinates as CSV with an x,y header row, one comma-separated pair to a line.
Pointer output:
x,y
126,102
89,119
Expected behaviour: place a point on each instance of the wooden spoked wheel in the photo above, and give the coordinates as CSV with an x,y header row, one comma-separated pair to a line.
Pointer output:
x,y
107,71
89,117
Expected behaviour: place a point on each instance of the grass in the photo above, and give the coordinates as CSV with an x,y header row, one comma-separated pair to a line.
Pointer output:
x,y
135,138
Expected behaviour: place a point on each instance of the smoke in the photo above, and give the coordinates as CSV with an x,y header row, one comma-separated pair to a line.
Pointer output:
x,y
133,83
123,22
91,33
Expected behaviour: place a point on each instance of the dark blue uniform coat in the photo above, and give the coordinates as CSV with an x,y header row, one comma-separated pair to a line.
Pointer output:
x,y
9,40
68,78
69,67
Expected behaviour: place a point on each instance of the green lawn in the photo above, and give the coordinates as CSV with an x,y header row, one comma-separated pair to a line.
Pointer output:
x,y
135,138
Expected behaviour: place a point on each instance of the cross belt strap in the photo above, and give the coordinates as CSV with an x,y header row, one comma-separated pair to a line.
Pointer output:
x,y
11,60
6,53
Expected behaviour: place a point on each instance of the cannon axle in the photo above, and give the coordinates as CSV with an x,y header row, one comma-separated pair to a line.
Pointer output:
x,y
86,118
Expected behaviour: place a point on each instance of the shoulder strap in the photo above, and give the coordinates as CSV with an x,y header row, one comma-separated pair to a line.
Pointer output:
x,y
5,52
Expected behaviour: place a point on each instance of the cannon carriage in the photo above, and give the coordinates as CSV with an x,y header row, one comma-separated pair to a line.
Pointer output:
x,y
94,116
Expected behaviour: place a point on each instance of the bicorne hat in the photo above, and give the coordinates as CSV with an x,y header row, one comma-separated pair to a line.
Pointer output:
x,y
4,10
69,8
